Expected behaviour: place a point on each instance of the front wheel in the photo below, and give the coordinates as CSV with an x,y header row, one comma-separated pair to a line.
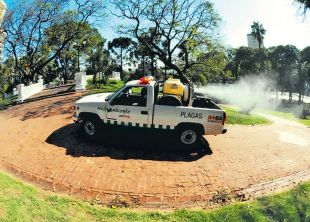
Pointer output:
x,y
189,136
90,128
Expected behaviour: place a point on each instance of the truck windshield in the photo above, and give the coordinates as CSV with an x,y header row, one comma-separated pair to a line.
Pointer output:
x,y
117,91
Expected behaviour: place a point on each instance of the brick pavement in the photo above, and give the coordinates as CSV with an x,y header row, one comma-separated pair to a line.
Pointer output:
x,y
39,143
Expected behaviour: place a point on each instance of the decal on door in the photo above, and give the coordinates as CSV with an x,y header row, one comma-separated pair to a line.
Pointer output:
x,y
191,115
115,110
215,119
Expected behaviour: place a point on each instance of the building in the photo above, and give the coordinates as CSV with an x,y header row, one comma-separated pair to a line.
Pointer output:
x,y
2,13
253,42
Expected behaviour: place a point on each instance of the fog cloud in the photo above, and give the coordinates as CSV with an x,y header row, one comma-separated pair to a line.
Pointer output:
x,y
248,93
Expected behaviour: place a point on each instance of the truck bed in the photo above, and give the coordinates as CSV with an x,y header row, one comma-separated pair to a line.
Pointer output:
x,y
204,102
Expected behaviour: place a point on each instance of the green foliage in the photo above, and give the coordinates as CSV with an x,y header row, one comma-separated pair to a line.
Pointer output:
x,y
21,202
202,79
284,62
247,61
304,69
5,103
212,62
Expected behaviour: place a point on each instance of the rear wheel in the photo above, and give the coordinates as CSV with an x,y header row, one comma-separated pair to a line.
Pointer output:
x,y
189,136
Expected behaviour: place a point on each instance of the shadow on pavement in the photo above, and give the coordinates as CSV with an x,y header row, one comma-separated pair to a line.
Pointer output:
x,y
126,145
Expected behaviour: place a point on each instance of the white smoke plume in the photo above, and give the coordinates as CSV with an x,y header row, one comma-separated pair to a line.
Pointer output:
x,y
248,93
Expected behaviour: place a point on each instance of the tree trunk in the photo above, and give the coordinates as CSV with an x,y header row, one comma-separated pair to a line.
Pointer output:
x,y
143,65
165,72
65,71
122,63
152,66
299,98
236,71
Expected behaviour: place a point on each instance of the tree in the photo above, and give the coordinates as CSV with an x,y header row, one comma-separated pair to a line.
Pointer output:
x,y
303,72
245,62
213,63
26,21
305,4
284,60
98,60
173,24
123,44
145,58
83,44
258,32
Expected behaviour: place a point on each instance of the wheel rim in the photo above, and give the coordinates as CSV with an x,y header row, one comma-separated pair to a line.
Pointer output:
x,y
188,137
89,128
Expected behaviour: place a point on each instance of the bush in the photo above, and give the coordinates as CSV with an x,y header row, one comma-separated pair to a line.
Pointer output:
x,y
112,81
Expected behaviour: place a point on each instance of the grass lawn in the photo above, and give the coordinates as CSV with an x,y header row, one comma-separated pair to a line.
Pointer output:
x,y
289,116
235,117
21,202
111,86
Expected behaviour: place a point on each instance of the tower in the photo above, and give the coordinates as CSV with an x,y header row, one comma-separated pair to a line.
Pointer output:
x,y
253,42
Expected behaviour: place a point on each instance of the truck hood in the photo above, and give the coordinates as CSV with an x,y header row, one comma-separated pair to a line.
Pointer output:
x,y
100,97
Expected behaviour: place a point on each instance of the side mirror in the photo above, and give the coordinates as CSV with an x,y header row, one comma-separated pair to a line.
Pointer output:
x,y
130,91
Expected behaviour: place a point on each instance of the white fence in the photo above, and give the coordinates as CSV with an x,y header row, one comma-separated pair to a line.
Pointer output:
x,y
25,92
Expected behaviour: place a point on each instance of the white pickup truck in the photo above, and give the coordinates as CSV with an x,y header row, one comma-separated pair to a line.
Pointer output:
x,y
148,104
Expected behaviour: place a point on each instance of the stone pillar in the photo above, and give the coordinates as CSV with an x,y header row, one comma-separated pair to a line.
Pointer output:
x,y
40,81
116,75
15,92
20,89
80,81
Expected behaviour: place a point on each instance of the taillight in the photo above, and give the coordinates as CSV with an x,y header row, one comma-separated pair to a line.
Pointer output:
x,y
224,118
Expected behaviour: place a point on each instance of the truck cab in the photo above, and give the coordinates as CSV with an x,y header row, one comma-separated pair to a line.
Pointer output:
x,y
166,106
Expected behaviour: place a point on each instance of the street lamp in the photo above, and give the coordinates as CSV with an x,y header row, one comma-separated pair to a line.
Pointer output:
x,y
79,46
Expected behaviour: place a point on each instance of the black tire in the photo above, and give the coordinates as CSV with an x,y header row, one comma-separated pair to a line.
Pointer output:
x,y
189,137
90,128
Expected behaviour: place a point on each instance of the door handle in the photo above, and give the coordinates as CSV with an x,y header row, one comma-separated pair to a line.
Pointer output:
x,y
144,112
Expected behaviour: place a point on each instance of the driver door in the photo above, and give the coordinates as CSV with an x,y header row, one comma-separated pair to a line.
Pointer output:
x,y
129,107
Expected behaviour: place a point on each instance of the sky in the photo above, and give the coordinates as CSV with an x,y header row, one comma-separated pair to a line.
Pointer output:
x,y
281,18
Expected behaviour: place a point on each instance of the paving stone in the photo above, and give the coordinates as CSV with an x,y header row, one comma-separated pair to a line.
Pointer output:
x,y
49,153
